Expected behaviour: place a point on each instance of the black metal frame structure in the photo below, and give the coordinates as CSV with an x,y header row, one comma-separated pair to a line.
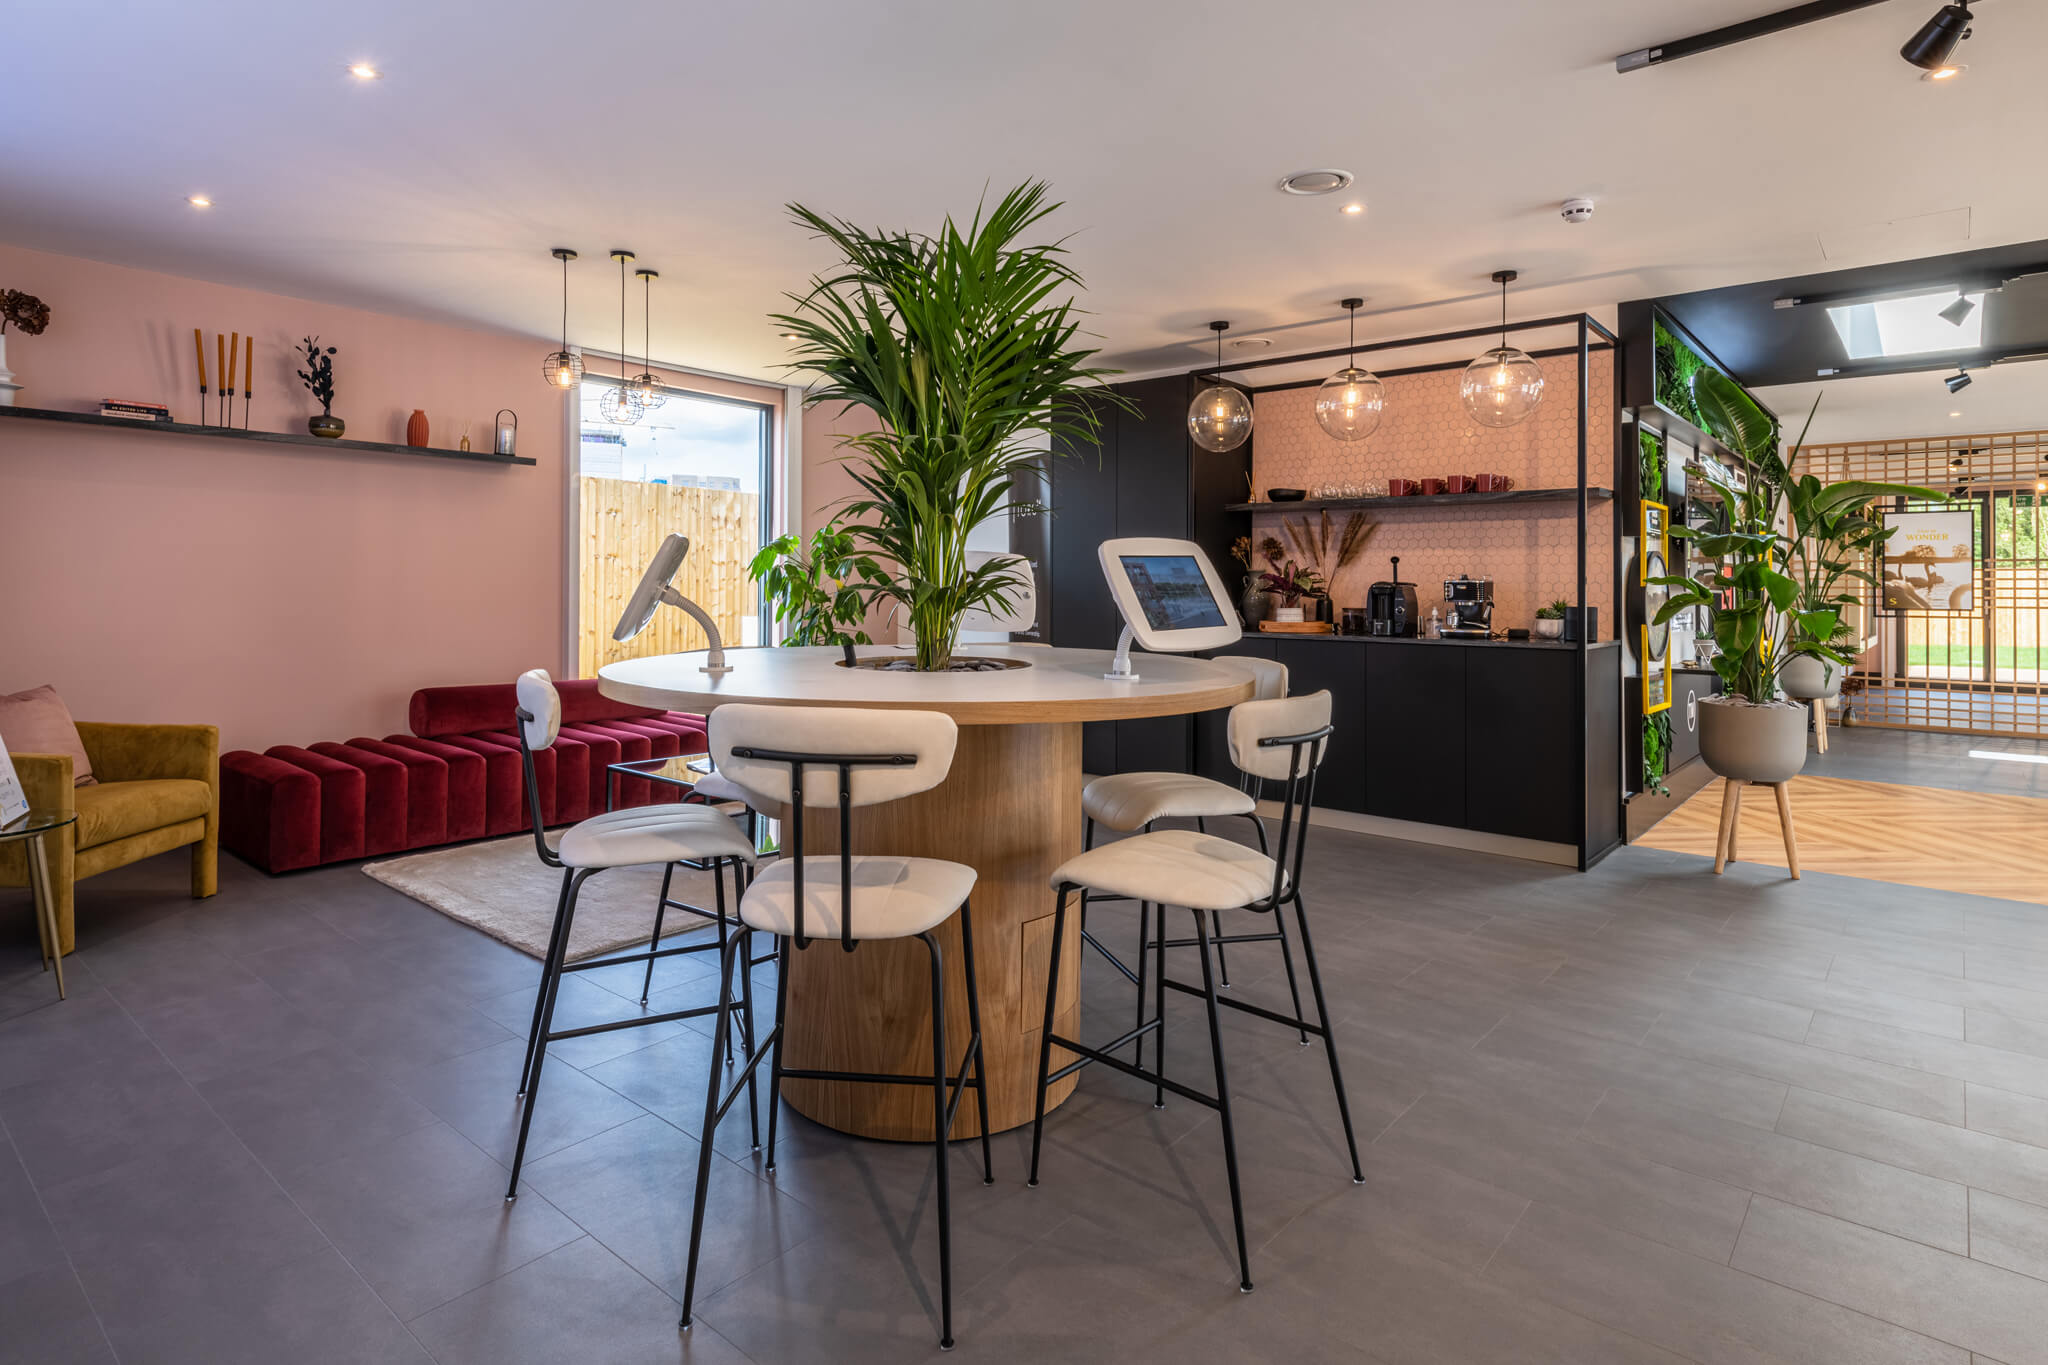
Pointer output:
x,y
1306,756
554,966
942,1082
1587,328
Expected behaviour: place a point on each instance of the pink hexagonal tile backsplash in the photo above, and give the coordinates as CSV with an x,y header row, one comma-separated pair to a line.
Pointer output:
x,y
1530,552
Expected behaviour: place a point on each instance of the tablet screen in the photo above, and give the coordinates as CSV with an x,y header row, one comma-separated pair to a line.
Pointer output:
x,y
1172,591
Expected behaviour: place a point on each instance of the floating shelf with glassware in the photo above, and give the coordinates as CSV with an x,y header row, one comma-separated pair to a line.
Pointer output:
x,y
287,438
1512,496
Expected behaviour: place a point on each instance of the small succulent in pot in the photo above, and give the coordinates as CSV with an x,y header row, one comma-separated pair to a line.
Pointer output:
x,y
1550,620
318,377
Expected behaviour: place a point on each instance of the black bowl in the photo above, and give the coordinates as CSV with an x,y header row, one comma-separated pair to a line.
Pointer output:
x,y
1286,494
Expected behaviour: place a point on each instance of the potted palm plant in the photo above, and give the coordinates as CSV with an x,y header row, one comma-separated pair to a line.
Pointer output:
x,y
1765,584
965,345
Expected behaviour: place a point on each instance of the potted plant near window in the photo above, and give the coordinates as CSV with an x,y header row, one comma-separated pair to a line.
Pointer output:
x,y
1550,620
815,589
964,345
1762,618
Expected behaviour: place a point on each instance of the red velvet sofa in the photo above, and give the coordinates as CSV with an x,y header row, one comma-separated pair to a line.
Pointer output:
x,y
455,777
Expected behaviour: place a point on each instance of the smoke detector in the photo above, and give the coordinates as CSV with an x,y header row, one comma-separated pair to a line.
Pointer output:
x,y
1576,210
1251,343
1316,182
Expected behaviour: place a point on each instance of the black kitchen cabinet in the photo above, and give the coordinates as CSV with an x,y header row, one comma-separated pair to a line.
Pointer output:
x,y
1689,686
1415,741
1521,758
1341,670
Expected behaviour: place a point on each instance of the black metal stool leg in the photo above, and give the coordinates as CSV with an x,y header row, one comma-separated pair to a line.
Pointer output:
x,y
988,1169
939,1107
1159,1009
745,937
547,969
547,1024
1244,1264
1144,935
718,1039
668,871
1315,983
1052,987
775,1046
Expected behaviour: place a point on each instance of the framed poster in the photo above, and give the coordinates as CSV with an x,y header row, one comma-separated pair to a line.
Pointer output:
x,y
1930,560
1656,635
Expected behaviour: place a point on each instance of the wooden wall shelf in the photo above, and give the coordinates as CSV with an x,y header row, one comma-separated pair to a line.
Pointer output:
x,y
285,438
1512,497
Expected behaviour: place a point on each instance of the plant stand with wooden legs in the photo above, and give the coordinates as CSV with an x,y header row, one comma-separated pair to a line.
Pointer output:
x,y
1731,821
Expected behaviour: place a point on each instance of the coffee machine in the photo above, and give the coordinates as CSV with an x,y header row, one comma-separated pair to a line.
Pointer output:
x,y
1393,608
1471,604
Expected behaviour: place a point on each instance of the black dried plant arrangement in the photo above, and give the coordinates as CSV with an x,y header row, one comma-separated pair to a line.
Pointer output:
x,y
24,312
318,377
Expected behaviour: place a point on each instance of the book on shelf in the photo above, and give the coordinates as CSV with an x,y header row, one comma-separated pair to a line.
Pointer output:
x,y
135,408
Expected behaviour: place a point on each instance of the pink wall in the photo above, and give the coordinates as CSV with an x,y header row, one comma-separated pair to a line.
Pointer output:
x,y
286,594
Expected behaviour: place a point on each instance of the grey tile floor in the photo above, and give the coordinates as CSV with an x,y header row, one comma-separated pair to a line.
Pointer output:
x,y
1643,1114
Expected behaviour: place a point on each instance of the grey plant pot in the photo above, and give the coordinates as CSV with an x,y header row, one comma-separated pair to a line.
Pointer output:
x,y
1806,678
1752,743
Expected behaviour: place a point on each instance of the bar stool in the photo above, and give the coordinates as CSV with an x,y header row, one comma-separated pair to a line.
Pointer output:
x,y
1280,740
1127,802
869,757
640,837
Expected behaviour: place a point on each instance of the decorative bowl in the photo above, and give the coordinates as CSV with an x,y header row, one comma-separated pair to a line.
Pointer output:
x,y
1286,494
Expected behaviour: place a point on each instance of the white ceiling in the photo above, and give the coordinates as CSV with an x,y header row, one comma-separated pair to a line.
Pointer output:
x,y
501,130
2010,397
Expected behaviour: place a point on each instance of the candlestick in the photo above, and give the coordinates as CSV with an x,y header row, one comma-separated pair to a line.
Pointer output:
x,y
248,378
220,363
234,360
199,350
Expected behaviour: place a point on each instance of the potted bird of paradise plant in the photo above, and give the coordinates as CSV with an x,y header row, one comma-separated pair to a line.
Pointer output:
x,y
965,345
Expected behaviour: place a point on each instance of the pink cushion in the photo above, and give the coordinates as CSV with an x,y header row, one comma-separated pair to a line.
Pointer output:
x,y
38,722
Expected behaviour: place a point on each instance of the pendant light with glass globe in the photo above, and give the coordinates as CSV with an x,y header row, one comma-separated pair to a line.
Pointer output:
x,y
564,367
1220,418
621,403
645,386
1350,402
1504,385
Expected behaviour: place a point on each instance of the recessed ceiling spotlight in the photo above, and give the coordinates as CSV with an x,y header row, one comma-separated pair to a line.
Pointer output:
x,y
199,201
790,336
1316,182
1251,343
1955,414
1945,73
1352,209
363,71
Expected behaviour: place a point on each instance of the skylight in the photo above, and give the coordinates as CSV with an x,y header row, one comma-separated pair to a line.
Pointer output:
x,y
1907,326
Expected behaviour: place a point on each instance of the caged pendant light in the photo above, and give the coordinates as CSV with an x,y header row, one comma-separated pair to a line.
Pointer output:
x,y
1220,418
621,403
1351,401
645,385
563,368
1504,385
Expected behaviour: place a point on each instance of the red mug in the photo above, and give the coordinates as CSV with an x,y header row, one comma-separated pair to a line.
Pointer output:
x,y
1402,488
1493,483
1432,487
1461,483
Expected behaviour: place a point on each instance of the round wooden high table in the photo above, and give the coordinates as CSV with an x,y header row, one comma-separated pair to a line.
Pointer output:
x,y
1010,809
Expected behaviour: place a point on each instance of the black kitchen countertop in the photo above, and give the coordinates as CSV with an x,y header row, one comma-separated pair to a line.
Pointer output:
x,y
1418,640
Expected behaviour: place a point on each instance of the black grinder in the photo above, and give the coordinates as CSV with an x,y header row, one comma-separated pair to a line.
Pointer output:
x,y
1393,608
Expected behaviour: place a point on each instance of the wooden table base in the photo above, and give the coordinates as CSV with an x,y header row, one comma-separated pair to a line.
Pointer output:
x,y
1010,809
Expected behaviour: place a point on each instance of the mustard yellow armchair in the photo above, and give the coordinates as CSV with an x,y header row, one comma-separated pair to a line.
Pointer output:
x,y
158,789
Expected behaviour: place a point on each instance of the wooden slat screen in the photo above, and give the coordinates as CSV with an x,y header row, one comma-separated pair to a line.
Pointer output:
x,y
623,521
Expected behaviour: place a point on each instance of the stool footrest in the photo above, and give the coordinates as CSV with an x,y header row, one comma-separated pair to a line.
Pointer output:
x,y
697,1013
1089,1054
1246,1007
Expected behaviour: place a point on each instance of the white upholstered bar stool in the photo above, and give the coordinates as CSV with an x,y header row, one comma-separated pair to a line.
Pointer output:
x,y
642,836
813,759
1280,741
1127,802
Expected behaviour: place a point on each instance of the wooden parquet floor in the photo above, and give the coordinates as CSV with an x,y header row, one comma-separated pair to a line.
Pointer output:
x,y
1974,842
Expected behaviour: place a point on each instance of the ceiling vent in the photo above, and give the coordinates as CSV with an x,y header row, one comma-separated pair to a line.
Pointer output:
x,y
1317,182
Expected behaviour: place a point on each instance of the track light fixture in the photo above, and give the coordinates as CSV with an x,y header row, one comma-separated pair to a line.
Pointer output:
x,y
1935,43
1956,313
1958,381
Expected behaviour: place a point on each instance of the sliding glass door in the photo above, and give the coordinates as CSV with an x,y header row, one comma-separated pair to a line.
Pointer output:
x,y
697,465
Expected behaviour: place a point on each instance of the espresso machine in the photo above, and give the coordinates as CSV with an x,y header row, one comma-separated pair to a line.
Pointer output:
x,y
1471,606
1393,608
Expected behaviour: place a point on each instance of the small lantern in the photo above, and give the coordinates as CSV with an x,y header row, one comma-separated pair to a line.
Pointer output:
x,y
508,431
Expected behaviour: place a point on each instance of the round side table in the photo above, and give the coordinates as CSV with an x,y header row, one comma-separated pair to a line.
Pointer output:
x,y
29,830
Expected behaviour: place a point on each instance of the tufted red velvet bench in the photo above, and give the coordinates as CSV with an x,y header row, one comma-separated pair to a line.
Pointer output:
x,y
455,777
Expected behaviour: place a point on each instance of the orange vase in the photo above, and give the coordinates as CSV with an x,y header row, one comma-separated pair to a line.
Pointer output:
x,y
416,428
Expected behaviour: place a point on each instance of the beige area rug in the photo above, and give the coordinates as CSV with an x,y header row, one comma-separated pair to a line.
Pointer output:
x,y
501,888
